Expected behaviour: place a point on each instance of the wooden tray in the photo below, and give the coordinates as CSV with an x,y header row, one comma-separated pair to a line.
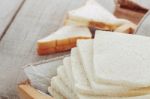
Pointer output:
x,y
26,91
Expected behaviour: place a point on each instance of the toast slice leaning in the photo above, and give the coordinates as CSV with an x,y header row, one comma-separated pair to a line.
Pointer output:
x,y
94,15
62,40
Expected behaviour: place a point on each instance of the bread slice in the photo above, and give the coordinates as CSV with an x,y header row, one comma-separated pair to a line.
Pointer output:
x,y
127,28
85,50
59,86
85,96
61,72
121,59
92,14
68,70
78,73
55,94
62,40
65,80
147,96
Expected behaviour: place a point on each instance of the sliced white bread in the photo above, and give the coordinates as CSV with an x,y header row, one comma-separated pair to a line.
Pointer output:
x,y
75,77
60,87
78,74
62,40
65,81
128,27
81,81
93,14
106,97
68,70
122,59
62,73
85,48
55,94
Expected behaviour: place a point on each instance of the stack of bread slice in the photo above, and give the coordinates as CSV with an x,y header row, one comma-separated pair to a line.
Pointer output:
x,y
110,66
92,15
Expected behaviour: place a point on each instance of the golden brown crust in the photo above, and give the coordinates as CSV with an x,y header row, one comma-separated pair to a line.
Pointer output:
x,y
61,46
62,42
73,45
45,45
127,28
46,51
102,26
73,40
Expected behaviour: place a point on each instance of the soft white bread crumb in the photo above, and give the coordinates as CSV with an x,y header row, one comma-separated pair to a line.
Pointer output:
x,y
78,73
85,48
67,32
93,11
68,70
122,59
60,87
55,94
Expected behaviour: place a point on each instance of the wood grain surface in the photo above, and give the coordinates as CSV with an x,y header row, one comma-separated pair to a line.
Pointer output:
x,y
34,20
8,10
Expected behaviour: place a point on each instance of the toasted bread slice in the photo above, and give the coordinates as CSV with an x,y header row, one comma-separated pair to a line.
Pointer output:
x,y
128,27
92,14
55,94
62,40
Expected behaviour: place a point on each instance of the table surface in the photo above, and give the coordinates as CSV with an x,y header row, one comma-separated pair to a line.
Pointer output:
x,y
22,23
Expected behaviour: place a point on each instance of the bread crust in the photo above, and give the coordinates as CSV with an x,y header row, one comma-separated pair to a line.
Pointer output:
x,y
45,48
